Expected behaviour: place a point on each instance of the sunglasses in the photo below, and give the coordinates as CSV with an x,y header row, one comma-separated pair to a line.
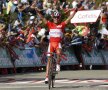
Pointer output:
x,y
56,17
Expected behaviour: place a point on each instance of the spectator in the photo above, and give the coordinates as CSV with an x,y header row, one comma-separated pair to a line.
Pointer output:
x,y
49,9
20,10
45,4
2,26
1,9
104,15
74,3
9,6
4,4
16,23
24,1
31,8
30,2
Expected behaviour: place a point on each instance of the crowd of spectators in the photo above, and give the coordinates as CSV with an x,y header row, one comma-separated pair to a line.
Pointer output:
x,y
20,26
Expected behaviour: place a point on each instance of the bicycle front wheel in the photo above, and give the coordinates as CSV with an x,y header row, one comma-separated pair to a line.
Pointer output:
x,y
53,71
50,74
53,80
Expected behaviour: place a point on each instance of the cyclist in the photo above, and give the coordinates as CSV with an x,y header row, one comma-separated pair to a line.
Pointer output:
x,y
56,30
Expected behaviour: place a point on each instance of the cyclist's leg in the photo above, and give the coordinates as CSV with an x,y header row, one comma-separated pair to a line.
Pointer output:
x,y
47,68
58,51
58,55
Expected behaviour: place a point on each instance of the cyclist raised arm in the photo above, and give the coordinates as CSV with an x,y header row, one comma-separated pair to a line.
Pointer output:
x,y
70,17
45,20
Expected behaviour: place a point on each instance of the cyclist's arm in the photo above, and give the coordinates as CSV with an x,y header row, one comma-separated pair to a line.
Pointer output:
x,y
43,18
70,17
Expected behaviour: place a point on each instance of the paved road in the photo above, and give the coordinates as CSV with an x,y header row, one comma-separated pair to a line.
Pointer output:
x,y
65,80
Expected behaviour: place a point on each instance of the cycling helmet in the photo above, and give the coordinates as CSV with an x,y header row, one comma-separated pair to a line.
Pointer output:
x,y
56,14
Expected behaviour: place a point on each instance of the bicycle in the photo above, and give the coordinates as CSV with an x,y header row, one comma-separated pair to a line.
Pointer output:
x,y
52,68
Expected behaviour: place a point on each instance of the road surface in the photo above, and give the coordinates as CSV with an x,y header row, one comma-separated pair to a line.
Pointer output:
x,y
65,80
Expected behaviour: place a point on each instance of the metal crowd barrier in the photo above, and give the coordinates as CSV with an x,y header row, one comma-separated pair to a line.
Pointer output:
x,y
30,57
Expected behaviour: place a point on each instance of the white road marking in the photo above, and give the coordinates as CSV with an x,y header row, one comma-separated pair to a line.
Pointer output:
x,y
23,87
66,81
103,86
38,82
20,82
56,81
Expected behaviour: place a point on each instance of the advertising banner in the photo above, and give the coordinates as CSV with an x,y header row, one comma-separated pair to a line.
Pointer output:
x,y
32,57
27,57
86,16
71,58
4,59
105,56
92,58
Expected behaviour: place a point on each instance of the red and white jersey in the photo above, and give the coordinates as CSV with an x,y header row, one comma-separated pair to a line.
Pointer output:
x,y
56,31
